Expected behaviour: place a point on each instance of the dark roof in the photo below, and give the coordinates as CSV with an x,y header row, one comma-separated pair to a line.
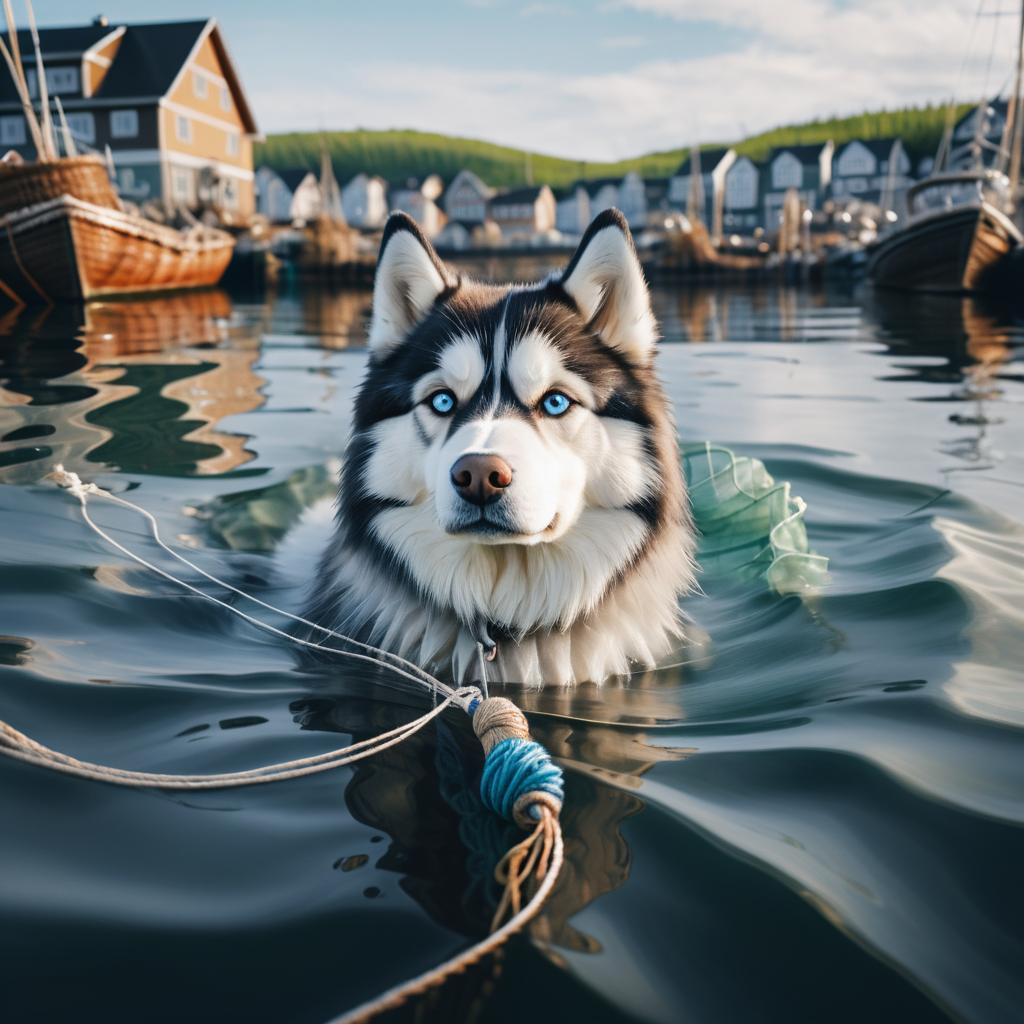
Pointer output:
x,y
65,39
709,160
807,153
527,194
293,176
568,191
149,59
594,185
1000,106
880,147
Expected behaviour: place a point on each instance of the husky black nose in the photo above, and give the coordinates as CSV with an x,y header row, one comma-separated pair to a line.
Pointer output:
x,y
481,479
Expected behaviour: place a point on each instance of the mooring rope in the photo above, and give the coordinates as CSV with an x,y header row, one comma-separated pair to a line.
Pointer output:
x,y
519,781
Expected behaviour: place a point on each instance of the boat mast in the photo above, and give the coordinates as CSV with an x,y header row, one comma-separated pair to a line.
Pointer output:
x,y
695,200
1014,119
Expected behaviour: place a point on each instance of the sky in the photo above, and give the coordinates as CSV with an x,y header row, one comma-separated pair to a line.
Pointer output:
x,y
604,79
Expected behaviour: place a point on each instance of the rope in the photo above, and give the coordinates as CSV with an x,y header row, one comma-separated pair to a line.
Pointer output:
x,y
519,780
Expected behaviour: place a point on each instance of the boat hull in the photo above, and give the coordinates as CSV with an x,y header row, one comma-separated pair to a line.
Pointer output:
x,y
72,250
950,251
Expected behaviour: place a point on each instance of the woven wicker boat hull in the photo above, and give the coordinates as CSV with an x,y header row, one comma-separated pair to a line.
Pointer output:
x,y
72,250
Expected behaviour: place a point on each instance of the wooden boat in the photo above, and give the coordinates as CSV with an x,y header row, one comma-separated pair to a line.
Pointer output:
x,y
63,231
66,248
960,233
957,234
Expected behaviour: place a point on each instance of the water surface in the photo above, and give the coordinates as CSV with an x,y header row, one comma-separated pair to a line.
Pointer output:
x,y
816,818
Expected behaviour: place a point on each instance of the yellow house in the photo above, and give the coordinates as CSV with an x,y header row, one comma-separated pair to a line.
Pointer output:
x,y
165,98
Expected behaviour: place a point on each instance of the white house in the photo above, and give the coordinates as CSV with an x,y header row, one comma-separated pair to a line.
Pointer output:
x,y
524,212
287,196
364,201
742,209
807,169
419,197
603,192
466,198
454,236
633,200
273,196
714,165
871,170
572,214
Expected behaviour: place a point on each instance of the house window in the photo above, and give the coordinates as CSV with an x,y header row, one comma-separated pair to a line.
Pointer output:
x,y
62,80
225,98
856,159
181,185
58,80
199,85
12,131
741,185
183,128
787,172
233,144
82,127
124,124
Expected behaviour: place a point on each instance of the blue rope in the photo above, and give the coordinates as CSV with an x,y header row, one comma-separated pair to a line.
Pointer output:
x,y
514,767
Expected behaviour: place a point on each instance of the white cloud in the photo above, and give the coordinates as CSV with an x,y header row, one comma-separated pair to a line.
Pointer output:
x,y
808,58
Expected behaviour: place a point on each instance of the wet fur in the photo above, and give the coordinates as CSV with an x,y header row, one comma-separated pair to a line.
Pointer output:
x,y
592,596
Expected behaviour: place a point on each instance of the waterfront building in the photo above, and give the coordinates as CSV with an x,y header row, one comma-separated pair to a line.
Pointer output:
x,y
288,195
572,212
704,198
807,169
419,197
603,192
524,212
364,201
466,198
872,170
633,200
978,135
742,207
165,97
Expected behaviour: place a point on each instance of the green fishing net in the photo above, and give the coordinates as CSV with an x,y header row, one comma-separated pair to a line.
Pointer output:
x,y
750,526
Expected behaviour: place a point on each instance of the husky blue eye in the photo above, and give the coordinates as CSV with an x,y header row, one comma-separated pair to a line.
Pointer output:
x,y
442,402
555,403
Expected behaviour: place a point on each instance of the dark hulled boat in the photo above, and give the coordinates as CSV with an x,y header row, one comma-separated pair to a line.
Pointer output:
x,y
957,233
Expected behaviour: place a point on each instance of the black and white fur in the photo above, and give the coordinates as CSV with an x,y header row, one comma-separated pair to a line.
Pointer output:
x,y
576,568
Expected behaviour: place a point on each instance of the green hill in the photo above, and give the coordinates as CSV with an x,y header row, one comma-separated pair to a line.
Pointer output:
x,y
397,154
404,153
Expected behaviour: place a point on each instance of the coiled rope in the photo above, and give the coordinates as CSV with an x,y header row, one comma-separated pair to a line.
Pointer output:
x,y
519,780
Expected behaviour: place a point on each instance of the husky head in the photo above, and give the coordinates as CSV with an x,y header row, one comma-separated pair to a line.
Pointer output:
x,y
513,464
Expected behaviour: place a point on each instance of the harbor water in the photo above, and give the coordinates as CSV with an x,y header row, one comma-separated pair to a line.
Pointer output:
x,y
814,814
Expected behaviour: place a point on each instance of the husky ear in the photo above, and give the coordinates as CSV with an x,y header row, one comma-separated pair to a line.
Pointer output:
x,y
410,276
605,281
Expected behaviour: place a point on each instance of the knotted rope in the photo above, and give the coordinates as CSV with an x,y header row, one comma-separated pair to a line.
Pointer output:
x,y
519,780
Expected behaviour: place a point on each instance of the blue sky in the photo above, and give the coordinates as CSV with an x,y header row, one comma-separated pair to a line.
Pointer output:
x,y
590,80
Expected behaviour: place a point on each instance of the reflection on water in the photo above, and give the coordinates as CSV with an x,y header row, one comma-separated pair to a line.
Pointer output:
x,y
813,814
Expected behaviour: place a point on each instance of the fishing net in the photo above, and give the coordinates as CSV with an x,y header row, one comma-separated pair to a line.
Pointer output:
x,y
751,527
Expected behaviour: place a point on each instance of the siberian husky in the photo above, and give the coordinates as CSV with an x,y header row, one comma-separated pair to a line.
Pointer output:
x,y
513,477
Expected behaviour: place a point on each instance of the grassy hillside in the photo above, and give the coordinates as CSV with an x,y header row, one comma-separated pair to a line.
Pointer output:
x,y
403,153
920,128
